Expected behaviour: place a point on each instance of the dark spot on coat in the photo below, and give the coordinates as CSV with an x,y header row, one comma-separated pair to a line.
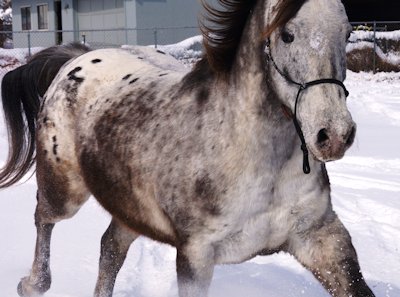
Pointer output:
x,y
70,89
203,187
134,80
54,138
127,76
95,61
202,96
74,71
77,79
55,149
71,75
140,58
285,71
163,74
206,194
160,52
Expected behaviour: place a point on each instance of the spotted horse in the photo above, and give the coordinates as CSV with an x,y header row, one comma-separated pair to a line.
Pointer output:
x,y
207,160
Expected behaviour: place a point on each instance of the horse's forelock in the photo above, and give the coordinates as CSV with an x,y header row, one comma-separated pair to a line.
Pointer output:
x,y
285,11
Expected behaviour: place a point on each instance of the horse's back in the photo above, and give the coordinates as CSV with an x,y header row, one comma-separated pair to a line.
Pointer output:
x,y
96,78
104,68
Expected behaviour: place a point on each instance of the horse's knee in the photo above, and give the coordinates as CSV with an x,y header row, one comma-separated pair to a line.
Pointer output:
x,y
327,251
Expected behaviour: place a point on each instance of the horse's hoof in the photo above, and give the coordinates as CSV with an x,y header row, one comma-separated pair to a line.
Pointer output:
x,y
19,289
26,289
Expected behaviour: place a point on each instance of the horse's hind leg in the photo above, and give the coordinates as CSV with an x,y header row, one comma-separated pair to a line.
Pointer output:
x,y
114,247
39,279
61,193
328,252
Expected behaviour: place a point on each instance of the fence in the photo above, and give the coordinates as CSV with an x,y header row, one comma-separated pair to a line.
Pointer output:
x,y
379,43
97,38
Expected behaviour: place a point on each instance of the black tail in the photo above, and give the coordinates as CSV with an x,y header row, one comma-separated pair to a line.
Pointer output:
x,y
21,92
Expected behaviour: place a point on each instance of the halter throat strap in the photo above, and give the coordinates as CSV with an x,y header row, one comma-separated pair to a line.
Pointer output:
x,y
302,87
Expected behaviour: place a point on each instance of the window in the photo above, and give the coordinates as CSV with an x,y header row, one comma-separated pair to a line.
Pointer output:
x,y
26,18
42,16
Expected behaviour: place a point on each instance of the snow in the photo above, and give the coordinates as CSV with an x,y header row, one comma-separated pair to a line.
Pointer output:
x,y
390,57
369,35
5,13
365,191
187,51
11,58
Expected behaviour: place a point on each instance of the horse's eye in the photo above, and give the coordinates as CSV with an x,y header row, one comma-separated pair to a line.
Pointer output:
x,y
287,37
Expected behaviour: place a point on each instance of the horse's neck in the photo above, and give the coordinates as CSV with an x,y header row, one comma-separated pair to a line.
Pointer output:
x,y
249,71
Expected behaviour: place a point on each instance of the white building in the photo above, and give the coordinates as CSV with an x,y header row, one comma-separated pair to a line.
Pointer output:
x,y
103,22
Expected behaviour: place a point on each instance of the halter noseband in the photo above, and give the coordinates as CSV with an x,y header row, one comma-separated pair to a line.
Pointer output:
x,y
302,87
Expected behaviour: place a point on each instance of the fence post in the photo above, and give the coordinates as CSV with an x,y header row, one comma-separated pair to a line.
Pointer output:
x,y
84,37
29,44
155,37
374,58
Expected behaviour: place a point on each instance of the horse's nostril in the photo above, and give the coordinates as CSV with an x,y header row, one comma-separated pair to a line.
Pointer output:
x,y
351,136
322,136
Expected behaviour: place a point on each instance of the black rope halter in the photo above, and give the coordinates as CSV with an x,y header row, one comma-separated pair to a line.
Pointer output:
x,y
302,87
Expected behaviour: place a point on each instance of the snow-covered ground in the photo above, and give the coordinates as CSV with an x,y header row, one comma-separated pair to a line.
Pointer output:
x,y
366,195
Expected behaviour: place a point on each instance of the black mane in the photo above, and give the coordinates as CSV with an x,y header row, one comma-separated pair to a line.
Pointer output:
x,y
223,27
222,30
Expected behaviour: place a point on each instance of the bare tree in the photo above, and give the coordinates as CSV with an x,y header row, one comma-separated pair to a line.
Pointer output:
x,y
5,20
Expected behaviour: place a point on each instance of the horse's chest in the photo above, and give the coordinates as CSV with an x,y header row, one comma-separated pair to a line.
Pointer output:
x,y
256,223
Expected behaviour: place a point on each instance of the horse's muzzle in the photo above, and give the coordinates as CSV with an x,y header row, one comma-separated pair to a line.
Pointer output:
x,y
331,146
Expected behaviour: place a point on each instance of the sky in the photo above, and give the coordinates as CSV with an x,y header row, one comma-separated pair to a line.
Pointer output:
x,y
369,10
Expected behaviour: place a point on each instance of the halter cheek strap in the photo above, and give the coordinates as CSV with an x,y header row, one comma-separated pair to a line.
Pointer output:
x,y
302,87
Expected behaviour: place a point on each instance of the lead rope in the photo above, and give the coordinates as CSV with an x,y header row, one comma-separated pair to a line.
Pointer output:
x,y
302,87
306,161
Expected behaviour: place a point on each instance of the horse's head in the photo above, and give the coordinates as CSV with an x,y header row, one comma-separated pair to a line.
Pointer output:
x,y
307,48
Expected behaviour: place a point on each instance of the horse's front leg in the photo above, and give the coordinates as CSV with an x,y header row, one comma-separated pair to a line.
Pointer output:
x,y
195,267
327,251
